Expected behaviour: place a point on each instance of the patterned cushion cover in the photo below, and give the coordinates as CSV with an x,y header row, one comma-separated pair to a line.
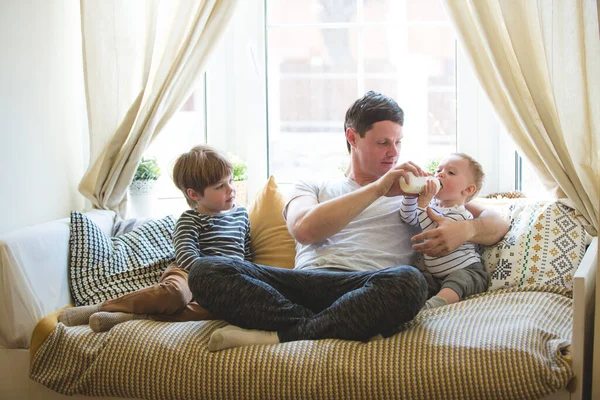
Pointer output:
x,y
544,246
103,267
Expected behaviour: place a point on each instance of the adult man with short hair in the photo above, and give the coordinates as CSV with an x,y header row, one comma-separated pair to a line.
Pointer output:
x,y
353,277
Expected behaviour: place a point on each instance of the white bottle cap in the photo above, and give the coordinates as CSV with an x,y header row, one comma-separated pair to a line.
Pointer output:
x,y
417,183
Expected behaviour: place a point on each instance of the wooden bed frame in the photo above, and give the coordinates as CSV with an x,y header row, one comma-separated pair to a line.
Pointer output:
x,y
584,296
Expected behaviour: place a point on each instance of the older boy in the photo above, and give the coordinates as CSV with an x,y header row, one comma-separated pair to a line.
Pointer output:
x,y
214,226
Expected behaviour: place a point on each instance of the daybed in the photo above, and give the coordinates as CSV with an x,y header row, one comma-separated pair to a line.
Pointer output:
x,y
528,337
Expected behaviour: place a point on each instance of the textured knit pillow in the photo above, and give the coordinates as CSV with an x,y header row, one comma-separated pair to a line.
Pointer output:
x,y
544,246
103,267
272,243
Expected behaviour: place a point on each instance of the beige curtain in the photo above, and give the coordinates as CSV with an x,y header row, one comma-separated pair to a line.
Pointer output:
x,y
141,60
539,63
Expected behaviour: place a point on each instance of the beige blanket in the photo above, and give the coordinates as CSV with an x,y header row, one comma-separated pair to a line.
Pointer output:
x,y
508,344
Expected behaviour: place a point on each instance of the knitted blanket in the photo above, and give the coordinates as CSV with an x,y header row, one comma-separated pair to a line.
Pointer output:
x,y
506,344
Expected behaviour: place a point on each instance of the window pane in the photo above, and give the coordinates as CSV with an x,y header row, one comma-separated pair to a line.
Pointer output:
x,y
436,41
183,131
308,154
383,50
531,185
382,10
314,104
396,48
425,11
310,11
306,135
393,11
442,129
315,51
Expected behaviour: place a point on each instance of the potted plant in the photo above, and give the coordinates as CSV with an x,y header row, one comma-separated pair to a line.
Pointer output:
x,y
240,178
432,165
146,174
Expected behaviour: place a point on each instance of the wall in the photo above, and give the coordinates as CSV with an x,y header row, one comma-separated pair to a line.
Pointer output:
x,y
43,128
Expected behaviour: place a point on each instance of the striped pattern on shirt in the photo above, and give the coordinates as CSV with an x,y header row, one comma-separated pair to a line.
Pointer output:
x,y
199,235
464,256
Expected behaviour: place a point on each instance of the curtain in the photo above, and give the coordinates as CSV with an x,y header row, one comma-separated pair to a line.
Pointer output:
x,y
141,61
539,62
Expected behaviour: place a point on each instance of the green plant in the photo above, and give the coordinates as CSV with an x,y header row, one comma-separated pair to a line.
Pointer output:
x,y
432,165
147,170
344,164
239,168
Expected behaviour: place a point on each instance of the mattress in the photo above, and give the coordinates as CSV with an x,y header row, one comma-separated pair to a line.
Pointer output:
x,y
509,343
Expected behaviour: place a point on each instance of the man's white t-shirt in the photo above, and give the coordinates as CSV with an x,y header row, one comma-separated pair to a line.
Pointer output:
x,y
376,239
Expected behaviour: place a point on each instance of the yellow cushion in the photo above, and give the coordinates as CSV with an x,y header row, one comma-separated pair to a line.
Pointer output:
x,y
272,244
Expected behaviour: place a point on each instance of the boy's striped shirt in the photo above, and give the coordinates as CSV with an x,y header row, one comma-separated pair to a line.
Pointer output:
x,y
225,234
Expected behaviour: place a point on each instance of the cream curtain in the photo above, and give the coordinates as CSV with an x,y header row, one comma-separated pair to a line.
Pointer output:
x,y
141,60
539,63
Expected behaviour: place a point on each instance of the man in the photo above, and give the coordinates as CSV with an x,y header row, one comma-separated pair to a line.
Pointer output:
x,y
352,278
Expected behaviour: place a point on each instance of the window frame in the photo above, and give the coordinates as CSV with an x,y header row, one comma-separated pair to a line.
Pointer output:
x,y
236,106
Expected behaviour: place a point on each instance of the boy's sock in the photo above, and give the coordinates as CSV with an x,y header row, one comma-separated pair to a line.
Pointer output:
x,y
434,302
233,336
77,315
103,321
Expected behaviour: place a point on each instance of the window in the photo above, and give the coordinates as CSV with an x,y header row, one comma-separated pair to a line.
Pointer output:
x,y
530,184
183,131
342,49
277,87
324,54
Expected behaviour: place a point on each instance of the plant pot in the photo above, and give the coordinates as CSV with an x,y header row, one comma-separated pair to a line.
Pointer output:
x,y
142,200
141,187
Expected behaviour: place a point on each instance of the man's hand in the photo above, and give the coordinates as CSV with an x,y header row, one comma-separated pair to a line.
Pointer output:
x,y
389,184
446,237
427,194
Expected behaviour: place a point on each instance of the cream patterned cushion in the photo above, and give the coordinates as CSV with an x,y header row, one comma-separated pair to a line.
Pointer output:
x,y
544,246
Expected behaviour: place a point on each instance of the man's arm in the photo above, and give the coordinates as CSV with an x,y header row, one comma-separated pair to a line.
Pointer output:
x,y
311,222
486,228
494,227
